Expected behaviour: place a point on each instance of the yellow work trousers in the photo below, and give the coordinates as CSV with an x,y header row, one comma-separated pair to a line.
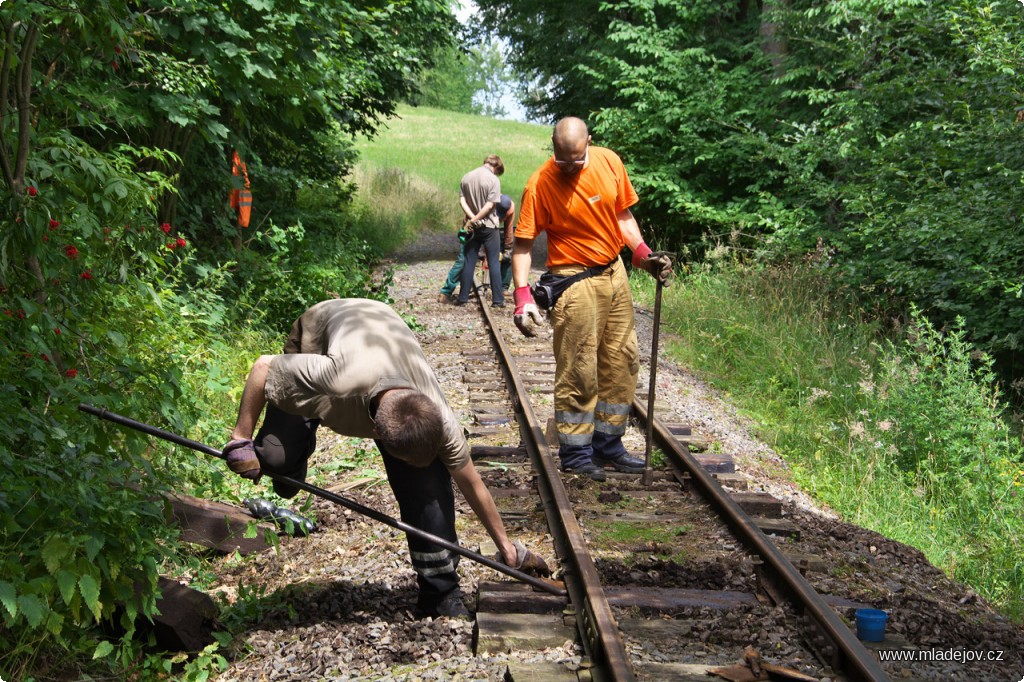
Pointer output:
x,y
596,359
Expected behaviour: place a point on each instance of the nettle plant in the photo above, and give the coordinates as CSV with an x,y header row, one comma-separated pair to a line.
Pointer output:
x,y
84,276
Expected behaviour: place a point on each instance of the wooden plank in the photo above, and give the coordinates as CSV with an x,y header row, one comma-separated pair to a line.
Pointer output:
x,y
738,482
783,528
667,600
185,617
716,463
693,443
504,632
734,481
759,504
215,525
679,429
489,409
497,453
805,562
519,601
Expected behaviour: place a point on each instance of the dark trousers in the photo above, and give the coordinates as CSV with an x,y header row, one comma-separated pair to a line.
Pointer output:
x,y
490,239
426,501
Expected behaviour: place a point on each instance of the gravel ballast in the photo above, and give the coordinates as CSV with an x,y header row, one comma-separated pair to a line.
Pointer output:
x,y
338,604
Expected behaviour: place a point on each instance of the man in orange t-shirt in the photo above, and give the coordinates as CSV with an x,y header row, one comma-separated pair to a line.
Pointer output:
x,y
582,197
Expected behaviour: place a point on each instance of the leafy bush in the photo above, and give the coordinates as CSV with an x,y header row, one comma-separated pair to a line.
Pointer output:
x,y
278,279
933,413
82,537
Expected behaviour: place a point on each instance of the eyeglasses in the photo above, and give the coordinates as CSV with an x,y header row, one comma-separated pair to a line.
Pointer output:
x,y
575,162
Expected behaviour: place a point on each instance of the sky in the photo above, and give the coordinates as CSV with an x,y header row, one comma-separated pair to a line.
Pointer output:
x,y
516,112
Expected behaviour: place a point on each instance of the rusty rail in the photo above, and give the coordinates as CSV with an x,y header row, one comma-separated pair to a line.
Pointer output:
x,y
600,634
845,650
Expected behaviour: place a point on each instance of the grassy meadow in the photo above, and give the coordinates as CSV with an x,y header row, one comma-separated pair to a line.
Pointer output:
x,y
904,432
441,146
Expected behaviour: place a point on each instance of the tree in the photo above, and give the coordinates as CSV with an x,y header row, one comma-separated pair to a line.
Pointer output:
x,y
906,143
547,42
494,76
115,117
882,133
450,84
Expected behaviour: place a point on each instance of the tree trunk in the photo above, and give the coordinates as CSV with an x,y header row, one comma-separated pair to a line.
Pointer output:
x,y
773,44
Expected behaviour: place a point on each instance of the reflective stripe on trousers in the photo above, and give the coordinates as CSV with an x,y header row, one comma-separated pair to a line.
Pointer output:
x,y
596,356
426,501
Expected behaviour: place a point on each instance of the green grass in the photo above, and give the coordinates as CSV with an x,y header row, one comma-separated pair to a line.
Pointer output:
x,y
905,436
439,147
392,207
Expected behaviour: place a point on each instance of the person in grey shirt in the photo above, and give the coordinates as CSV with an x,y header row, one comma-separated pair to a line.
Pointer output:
x,y
480,193
354,366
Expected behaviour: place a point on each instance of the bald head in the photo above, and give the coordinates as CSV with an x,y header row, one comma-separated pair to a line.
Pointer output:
x,y
569,132
569,142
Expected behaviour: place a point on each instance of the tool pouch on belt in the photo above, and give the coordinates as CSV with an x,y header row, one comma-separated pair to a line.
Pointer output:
x,y
550,286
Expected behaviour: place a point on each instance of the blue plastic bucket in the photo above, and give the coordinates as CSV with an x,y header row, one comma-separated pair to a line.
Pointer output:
x,y
871,624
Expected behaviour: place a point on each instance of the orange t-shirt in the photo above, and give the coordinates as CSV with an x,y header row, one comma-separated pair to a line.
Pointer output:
x,y
578,213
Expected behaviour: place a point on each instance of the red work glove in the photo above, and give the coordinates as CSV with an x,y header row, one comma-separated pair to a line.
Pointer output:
x,y
241,457
657,263
527,314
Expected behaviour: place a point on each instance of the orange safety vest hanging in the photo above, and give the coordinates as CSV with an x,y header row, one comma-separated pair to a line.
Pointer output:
x,y
240,199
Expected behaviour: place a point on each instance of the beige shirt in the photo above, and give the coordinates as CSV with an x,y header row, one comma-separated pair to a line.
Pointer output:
x,y
344,352
479,186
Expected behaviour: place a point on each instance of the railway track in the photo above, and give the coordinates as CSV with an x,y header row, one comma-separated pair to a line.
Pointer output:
x,y
599,531
660,586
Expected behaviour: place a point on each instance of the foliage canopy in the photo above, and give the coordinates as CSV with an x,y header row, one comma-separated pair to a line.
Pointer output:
x,y
879,137
119,253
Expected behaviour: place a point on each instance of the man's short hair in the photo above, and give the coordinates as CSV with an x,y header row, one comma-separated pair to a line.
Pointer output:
x,y
409,426
495,162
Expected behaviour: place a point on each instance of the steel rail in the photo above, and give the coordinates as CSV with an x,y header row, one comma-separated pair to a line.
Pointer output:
x,y
599,632
850,654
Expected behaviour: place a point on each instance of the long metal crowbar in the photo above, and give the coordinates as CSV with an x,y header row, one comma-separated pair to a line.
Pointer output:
x,y
648,475
104,413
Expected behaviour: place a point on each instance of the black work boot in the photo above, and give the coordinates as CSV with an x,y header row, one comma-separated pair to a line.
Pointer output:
x,y
450,606
609,451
